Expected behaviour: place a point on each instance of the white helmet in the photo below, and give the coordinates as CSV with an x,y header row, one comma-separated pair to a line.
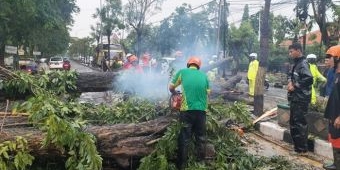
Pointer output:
x,y
311,56
128,55
253,55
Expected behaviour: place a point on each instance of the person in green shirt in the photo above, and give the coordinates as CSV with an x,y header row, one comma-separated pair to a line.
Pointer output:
x,y
195,91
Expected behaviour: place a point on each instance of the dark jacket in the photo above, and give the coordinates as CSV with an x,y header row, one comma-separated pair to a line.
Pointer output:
x,y
330,81
302,79
322,88
333,107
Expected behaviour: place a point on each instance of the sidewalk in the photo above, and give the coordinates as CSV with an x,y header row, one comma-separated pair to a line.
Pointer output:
x,y
272,129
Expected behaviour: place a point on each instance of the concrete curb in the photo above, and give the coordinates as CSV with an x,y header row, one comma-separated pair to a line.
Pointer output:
x,y
317,146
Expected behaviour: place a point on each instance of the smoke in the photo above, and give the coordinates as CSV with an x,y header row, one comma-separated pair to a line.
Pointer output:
x,y
151,84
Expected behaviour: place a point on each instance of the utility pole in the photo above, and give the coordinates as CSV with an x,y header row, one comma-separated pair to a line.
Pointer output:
x,y
101,24
302,14
224,33
219,14
259,31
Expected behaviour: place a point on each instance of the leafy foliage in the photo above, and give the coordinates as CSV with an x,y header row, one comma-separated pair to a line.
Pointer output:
x,y
57,115
57,82
14,155
57,119
47,20
133,110
81,47
229,151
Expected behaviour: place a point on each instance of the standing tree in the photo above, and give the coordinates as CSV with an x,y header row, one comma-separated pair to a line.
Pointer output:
x,y
243,39
36,23
166,38
245,16
319,10
80,47
137,13
264,53
111,17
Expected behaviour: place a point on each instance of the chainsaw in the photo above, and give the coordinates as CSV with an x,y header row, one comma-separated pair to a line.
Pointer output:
x,y
176,101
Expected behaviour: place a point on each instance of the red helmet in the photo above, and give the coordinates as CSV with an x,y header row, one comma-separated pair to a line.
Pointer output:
x,y
194,60
132,58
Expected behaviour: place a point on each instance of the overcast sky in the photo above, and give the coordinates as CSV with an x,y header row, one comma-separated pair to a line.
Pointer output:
x,y
83,20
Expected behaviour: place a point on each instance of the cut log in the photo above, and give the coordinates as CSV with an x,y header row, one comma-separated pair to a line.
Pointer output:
x,y
96,81
218,87
120,142
104,81
230,96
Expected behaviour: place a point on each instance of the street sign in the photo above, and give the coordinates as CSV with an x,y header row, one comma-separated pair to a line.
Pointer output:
x,y
36,53
11,49
21,52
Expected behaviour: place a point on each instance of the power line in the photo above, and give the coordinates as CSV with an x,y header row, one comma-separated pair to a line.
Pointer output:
x,y
231,2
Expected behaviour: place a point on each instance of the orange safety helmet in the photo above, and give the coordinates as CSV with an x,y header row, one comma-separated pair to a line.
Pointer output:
x,y
334,51
132,58
194,60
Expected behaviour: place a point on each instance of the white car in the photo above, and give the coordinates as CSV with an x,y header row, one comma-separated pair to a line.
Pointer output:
x,y
56,63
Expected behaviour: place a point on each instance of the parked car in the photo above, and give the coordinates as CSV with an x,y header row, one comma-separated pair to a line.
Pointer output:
x,y
30,67
56,63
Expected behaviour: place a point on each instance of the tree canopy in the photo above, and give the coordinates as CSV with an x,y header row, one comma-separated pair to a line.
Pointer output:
x,y
38,24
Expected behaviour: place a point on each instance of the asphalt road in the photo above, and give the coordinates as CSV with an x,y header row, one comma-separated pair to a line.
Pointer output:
x,y
81,68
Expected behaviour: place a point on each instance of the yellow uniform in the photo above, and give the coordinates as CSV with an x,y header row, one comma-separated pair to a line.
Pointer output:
x,y
317,76
252,72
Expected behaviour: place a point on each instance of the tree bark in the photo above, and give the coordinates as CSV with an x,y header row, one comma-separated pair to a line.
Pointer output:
x,y
264,53
120,142
96,81
2,54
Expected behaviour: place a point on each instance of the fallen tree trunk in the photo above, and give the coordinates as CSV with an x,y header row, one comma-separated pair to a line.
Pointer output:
x,y
220,86
231,82
120,142
104,81
96,81
230,96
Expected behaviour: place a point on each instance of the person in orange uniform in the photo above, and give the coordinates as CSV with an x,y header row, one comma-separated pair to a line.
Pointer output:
x,y
332,111
146,61
132,64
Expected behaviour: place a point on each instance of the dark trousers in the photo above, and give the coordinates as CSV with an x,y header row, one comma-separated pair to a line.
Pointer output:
x,y
298,125
194,123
